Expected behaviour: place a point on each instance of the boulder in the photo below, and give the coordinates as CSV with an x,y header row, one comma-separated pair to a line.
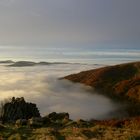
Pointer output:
x,y
82,123
18,108
35,122
46,120
58,116
21,122
70,124
65,121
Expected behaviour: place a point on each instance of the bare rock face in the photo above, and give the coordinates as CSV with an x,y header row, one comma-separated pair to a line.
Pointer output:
x,y
17,108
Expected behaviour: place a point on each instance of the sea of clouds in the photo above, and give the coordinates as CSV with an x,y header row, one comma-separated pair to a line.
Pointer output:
x,y
41,85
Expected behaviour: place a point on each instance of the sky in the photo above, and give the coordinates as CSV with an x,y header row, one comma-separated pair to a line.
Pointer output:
x,y
70,23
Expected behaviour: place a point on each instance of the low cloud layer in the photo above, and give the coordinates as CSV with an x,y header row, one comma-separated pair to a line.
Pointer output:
x,y
41,86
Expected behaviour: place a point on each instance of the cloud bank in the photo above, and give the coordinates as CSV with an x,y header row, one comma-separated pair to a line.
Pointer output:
x,y
41,86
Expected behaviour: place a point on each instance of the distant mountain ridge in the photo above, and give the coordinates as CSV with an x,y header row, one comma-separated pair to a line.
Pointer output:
x,y
122,80
6,61
25,63
30,63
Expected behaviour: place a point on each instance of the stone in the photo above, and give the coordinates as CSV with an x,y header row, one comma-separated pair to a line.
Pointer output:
x,y
16,109
46,120
58,116
21,122
35,122
82,123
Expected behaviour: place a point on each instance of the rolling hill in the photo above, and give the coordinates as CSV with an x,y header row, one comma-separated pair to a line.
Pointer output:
x,y
122,80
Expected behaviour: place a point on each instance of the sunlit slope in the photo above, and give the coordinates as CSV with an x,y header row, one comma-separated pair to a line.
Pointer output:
x,y
122,80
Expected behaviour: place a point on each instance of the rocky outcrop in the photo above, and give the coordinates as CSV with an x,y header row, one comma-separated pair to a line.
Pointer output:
x,y
58,116
121,80
17,108
21,122
35,122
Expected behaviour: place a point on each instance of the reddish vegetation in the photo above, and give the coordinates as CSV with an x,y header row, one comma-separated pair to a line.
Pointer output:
x,y
117,123
119,80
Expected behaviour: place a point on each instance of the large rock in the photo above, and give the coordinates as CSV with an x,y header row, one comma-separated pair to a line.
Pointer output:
x,y
17,108
21,122
58,116
35,122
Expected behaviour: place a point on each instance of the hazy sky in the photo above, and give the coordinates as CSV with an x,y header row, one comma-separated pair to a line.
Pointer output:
x,y
70,22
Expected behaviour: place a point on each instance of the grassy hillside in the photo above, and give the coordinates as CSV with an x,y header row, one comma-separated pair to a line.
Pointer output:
x,y
79,130
121,80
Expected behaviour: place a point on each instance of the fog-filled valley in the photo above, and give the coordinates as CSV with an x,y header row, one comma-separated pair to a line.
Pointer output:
x,y
41,85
